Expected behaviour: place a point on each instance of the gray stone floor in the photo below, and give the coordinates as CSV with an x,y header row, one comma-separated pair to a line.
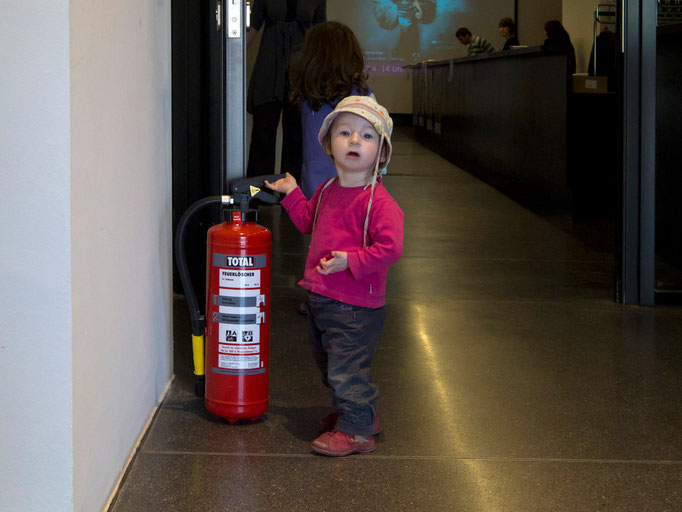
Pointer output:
x,y
509,379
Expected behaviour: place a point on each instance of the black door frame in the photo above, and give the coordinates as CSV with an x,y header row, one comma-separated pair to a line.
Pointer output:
x,y
635,258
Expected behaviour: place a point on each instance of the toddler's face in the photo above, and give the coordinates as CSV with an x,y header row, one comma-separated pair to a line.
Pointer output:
x,y
354,144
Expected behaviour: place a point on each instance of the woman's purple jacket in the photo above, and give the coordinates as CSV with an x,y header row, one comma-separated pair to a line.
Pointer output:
x,y
317,166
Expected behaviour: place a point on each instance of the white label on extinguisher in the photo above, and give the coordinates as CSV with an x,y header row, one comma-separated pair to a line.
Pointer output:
x,y
237,349
238,362
230,278
239,301
236,333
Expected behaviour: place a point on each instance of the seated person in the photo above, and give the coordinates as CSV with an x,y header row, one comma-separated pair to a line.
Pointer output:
x,y
507,29
476,45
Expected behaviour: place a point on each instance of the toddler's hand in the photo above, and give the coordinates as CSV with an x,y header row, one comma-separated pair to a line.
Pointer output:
x,y
337,263
284,185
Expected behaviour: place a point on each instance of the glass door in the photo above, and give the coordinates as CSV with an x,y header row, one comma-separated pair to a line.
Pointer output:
x,y
668,259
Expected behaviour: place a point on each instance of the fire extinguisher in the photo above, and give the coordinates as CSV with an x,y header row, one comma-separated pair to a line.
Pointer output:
x,y
231,342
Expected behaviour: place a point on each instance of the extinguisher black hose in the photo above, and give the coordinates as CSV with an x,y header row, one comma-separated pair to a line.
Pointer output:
x,y
197,319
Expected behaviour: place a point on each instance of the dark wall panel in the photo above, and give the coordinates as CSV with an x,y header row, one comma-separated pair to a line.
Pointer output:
x,y
500,117
509,119
668,175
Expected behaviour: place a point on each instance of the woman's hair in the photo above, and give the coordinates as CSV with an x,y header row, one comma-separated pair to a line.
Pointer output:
x,y
509,23
556,31
328,67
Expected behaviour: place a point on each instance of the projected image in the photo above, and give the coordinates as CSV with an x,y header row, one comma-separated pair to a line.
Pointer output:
x,y
408,17
398,32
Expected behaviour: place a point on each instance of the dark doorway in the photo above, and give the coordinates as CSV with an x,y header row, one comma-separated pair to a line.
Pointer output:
x,y
196,69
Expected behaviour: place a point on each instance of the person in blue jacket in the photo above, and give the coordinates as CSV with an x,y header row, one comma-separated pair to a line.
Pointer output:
x,y
329,68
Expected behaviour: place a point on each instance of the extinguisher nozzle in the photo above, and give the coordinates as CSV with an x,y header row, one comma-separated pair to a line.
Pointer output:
x,y
200,385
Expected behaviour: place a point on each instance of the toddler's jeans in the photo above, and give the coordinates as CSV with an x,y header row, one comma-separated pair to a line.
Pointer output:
x,y
343,338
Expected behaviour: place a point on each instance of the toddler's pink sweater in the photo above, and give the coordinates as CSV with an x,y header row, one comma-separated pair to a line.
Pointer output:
x,y
339,227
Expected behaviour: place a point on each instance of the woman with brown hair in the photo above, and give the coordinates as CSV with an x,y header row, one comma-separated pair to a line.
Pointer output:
x,y
507,29
329,68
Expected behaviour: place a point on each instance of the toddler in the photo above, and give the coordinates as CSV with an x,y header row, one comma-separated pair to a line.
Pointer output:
x,y
357,232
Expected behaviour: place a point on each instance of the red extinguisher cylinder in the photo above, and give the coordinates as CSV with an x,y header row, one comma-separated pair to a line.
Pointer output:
x,y
238,318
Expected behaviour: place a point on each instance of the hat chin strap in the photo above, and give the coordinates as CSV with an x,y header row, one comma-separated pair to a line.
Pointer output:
x,y
373,182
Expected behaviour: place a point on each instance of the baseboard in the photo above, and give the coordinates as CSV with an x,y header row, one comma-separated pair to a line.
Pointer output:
x,y
136,446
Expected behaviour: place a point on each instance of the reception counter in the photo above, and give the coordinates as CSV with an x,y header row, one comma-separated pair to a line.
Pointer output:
x,y
505,118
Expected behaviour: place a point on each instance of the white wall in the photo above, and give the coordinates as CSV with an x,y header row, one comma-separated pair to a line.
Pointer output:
x,y
35,268
85,231
532,17
121,231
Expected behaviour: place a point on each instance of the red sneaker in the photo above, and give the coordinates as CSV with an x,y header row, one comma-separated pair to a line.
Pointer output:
x,y
327,423
337,444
